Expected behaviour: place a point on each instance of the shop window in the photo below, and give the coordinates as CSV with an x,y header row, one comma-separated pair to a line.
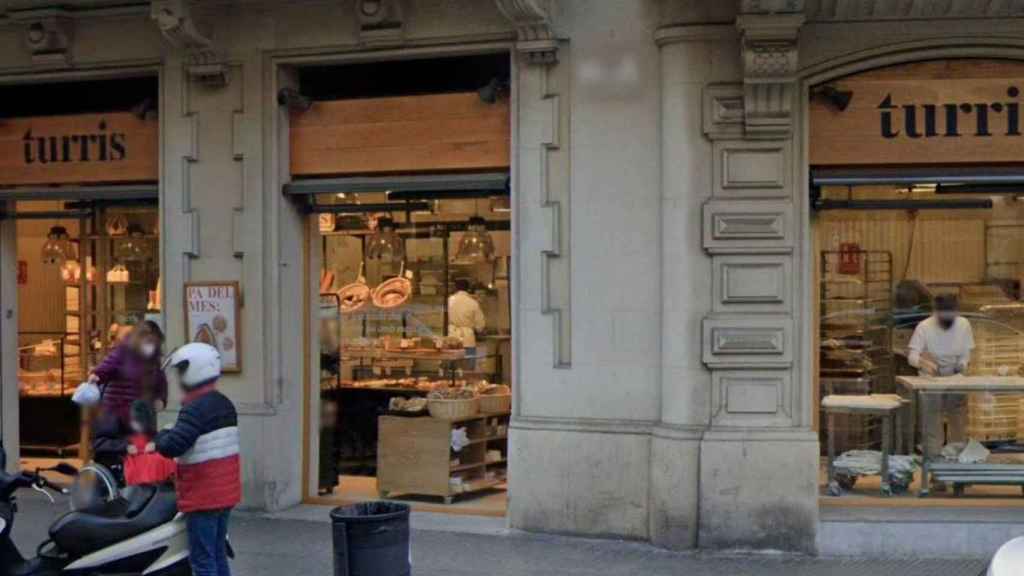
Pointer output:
x,y
405,165
84,280
916,185
81,182
415,349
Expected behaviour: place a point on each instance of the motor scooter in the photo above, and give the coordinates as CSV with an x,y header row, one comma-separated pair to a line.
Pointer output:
x,y
139,533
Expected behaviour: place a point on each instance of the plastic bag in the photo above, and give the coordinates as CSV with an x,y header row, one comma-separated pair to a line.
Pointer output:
x,y
149,468
460,439
87,394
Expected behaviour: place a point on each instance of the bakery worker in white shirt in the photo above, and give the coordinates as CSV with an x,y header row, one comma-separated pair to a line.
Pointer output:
x,y
941,346
465,317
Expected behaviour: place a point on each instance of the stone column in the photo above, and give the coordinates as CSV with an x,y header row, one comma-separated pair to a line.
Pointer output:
x,y
758,460
692,56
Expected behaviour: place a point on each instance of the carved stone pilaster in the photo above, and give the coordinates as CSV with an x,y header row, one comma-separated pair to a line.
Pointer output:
x,y
48,35
535,39
380,22
203,63
769,44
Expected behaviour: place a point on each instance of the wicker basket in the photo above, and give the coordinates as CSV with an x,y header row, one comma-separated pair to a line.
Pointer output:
x,y
453,409
495,403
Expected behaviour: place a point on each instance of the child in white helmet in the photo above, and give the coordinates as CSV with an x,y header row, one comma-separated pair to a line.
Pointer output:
x,y
205,442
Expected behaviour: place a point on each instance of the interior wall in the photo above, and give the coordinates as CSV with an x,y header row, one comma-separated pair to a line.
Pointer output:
x,y
934,246
41,297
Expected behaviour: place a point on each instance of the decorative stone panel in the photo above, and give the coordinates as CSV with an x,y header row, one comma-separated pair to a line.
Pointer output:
x,y
752,283
751,169
748,226
748,342
723,111
751,398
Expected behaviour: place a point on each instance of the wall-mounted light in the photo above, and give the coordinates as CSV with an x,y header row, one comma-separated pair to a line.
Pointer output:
x,y
494,90
293,99
838,99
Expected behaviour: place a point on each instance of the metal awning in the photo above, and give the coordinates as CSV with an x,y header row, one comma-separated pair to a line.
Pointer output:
x,y
79,201
120,192
423,187
910,175
945,180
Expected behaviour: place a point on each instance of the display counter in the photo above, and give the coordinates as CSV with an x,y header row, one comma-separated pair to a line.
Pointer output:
x,y
419,455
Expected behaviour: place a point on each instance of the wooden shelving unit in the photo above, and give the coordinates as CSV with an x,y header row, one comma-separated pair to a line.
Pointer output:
x,y
414,455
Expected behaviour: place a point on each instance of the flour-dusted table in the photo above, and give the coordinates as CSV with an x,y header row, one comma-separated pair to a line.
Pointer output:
x,y
960,474
884,406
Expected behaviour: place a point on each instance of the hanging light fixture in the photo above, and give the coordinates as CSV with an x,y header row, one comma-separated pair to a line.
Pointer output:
x,y
135,247
476,244
58,247
385,244
117,225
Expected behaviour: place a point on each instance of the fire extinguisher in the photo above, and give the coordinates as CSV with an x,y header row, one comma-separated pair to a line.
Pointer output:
x,y
849,258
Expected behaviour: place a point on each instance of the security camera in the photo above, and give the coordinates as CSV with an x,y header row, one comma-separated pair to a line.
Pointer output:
x,y
293,100
838,99
494,90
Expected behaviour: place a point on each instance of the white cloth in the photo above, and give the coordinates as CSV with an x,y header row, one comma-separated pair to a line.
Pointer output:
x,y
951,349
465,318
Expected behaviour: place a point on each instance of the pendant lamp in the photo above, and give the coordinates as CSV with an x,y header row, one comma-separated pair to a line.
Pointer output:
x,y
476,244
385,244
58,247
133,248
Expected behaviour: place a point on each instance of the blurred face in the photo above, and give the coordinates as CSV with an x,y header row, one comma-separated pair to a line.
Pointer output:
x,y
147,345
946,318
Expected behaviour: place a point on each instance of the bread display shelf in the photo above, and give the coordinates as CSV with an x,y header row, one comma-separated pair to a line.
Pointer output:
x,y
448,355
414,455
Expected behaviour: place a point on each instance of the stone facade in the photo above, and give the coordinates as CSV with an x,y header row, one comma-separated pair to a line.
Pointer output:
x,y
663,348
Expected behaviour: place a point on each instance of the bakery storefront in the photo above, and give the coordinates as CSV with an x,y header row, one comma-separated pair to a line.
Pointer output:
x,y
80,244
407,188
916,182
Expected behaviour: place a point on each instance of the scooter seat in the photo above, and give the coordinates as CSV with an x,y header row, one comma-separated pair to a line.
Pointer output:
x,y
139,510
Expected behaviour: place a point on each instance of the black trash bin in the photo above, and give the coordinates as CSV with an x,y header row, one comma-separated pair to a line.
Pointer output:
x,y
371,538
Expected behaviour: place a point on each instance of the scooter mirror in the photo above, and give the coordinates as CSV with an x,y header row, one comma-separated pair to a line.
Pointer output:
x,y
66,469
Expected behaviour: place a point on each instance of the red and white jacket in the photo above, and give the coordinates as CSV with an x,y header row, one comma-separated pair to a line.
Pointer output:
x,y
205,442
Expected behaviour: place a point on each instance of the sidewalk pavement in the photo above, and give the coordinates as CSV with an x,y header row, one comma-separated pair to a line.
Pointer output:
x,y
299,542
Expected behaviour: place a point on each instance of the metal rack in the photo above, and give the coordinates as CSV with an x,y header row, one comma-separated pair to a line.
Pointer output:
x,y
856,355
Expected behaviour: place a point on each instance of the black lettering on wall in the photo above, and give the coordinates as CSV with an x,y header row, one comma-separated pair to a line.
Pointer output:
x,y
981,120
929,121
27,140
910,121
83,148
886,117
1012,113
952,128
118,150
41,150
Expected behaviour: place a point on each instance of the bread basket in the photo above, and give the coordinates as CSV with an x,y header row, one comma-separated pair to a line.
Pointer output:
x,y
496,403
453,409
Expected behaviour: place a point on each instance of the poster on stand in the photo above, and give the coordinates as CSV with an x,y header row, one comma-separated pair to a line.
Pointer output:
x,y
212,315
